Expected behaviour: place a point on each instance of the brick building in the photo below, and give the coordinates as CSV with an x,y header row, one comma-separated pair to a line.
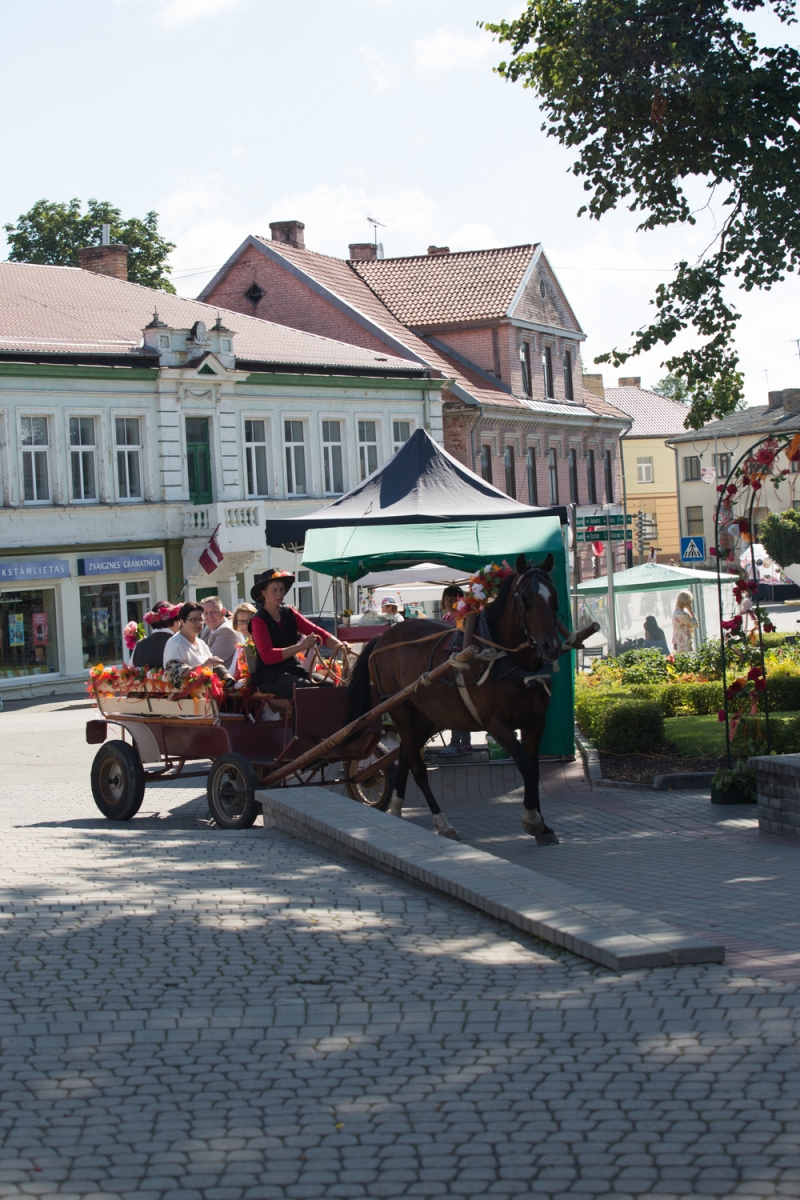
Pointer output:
x,y
495,324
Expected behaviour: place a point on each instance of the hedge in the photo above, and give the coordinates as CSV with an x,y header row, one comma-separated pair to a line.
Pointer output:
x,y
630,727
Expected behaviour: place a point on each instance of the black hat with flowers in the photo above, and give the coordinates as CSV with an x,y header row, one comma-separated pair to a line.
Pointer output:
x,y
267,577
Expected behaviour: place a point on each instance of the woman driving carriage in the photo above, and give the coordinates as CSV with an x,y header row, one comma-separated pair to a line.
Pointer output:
x,y
280,633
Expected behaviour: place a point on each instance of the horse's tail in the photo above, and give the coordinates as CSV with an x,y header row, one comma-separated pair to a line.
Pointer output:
x,y
359,699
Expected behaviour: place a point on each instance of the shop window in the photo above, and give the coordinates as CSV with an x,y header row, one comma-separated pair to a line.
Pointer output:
x,y
35,460
591,477
129,458
401,432
294,443
573,476
694,520
511,472
255,451
533,483
552,471
83,458
691,468
332,466
304,592
568,389
547,364
367,447
28,636
101,624
486,463
644,470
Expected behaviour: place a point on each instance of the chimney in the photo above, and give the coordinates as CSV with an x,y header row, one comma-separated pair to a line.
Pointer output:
x,y
363,252
290,232
791,400
105,259
631,381
434,251
594,384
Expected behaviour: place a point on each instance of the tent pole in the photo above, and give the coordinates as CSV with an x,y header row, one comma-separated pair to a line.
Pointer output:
x,y
612,604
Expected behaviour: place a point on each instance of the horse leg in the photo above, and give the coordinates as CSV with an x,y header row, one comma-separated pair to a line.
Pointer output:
x,y
414,730
526,759
396,803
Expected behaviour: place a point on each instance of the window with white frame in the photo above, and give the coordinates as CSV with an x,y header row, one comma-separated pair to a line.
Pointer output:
x,y
255,452
304,592
129,458
367,447
294,443
401,432
35,460
83,458
644,470
332,468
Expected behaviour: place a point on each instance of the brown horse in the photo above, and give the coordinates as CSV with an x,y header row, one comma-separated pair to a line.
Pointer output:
x,y
523,625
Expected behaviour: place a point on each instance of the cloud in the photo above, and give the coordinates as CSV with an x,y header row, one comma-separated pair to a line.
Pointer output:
x,y
382,75
172,13
450,49
473,237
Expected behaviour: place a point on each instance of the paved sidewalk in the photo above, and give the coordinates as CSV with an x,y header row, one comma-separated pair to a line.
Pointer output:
x,y
187,1014
701,866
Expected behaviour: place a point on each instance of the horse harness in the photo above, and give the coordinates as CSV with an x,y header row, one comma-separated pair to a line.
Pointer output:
x,y
497,664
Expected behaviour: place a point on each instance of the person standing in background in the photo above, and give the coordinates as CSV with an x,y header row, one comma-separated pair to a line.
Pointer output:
x,y
684,624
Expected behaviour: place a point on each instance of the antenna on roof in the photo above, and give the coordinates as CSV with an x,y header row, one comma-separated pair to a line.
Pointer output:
x,y
375,223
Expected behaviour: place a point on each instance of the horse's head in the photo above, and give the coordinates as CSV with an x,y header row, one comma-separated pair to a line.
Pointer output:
x,y
536,603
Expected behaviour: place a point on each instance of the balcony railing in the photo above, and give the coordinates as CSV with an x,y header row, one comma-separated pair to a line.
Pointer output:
x,y
240,523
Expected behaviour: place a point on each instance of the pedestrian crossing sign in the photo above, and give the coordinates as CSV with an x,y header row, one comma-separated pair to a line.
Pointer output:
x,y
693,549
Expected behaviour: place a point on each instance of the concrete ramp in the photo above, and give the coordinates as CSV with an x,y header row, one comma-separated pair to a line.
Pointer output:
x,y
606,933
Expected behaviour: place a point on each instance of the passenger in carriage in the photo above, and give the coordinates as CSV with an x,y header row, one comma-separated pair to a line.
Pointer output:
x,y
186,649
280,633
163,622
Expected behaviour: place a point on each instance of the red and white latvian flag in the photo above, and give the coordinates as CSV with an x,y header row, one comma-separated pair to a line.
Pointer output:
x,y
212,556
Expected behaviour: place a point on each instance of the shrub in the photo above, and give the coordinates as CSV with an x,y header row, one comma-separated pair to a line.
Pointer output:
x,y
590,703
783,689
700,697
630,727
643,666
779,534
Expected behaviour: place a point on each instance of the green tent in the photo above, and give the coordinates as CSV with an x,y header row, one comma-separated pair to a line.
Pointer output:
x,y
352,552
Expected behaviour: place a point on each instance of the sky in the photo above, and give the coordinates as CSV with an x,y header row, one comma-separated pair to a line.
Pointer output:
x,y
224,115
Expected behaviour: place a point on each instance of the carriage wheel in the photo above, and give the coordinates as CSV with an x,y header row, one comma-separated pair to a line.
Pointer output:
x,y
118,781
232,783
376,790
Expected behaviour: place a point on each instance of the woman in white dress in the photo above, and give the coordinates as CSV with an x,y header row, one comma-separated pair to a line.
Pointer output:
x,y
186,649
684,624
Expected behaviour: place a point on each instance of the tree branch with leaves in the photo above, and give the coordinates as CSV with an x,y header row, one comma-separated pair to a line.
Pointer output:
x,y
654,96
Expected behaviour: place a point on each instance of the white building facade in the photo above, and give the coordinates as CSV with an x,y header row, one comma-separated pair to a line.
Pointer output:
x,y
119,462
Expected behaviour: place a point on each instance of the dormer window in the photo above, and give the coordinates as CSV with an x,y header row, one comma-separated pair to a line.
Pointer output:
x,y
163,341
254,294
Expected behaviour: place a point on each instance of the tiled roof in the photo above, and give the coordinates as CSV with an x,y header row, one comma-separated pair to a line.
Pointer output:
x,y
760,419
602,407
431,289
337,275
66,310
653,415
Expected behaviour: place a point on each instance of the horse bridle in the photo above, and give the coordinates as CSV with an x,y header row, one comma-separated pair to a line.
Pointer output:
x,y
530,642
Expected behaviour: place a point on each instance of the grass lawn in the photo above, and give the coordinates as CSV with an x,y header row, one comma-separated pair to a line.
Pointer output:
x,y
697,737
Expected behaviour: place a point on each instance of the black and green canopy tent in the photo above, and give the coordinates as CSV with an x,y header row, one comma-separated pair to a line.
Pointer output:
x,y
424,506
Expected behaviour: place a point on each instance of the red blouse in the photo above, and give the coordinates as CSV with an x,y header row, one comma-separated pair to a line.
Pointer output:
x,y
263,641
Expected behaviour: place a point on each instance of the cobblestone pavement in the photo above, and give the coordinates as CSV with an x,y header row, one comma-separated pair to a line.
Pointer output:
x,y
192,1015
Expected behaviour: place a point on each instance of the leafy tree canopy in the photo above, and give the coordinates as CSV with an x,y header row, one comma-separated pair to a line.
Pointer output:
x,y
53,233
674,387
779,534
652,95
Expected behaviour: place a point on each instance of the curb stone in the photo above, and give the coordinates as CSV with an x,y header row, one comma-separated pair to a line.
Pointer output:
x,y
587,924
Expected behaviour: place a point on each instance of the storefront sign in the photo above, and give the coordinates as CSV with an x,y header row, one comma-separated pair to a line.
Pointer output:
x,y
120,564
51,568
39,625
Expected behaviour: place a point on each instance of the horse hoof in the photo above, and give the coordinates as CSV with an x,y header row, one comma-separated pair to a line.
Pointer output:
x,y
548,838
449,833
534,828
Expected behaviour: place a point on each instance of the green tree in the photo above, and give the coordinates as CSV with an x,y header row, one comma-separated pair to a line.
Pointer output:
x,y
53,233
651,96
673,387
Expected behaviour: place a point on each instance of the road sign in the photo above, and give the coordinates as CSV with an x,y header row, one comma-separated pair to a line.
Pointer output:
x,y
693,549
599,535
603,519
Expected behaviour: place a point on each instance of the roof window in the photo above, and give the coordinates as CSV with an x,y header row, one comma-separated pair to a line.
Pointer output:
x,y
254,294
